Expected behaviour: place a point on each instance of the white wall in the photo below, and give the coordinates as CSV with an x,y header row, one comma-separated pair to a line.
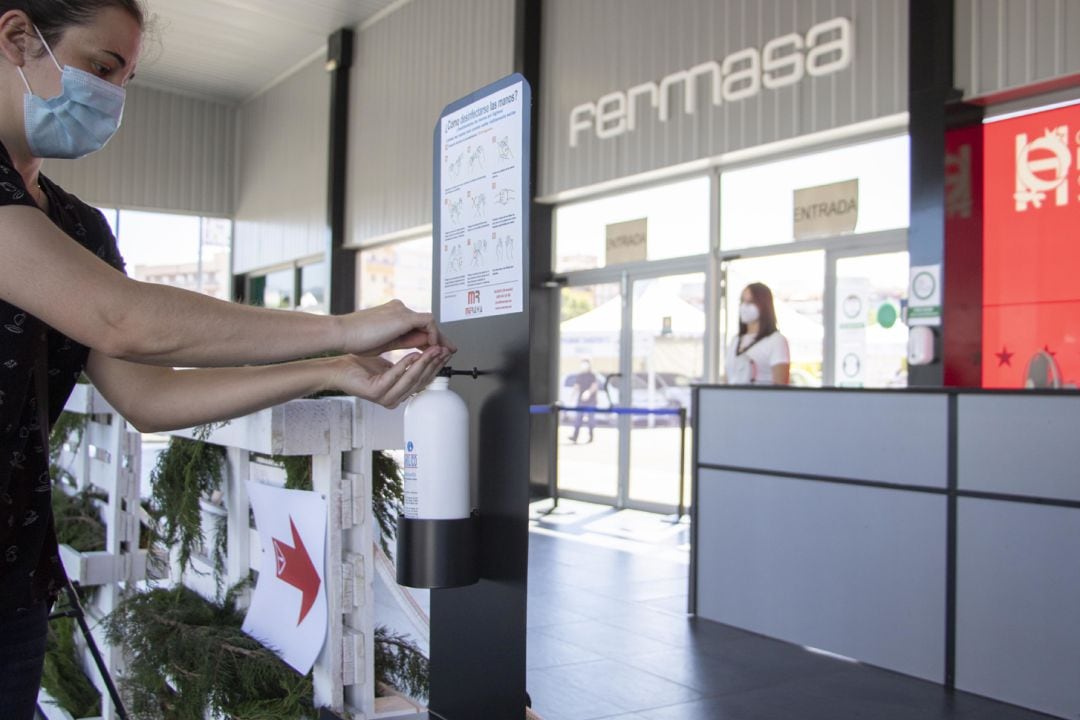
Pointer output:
x,y
282,168
1006,44
173,153
408,67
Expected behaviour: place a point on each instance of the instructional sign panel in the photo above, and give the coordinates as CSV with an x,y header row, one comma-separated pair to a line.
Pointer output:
x,y
481,190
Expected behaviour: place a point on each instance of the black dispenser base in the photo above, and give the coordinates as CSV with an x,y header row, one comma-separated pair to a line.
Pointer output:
x,y
438,553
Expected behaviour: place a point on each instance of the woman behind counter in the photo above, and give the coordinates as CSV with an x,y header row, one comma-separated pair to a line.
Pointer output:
x,y
759,355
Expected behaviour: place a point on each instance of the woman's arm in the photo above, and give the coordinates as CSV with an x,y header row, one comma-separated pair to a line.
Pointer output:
x,y
155,398
781,360
781,373
47,274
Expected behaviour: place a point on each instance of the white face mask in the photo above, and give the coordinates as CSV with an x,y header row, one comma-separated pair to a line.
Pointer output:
x,y
749,313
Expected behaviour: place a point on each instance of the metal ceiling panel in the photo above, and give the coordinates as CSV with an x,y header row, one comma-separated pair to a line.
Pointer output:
x,y
230,50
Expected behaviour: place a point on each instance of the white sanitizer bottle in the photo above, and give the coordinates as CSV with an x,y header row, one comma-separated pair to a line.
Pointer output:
x,y
437,454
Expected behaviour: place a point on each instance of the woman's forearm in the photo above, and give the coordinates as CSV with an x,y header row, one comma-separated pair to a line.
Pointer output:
x,y
162,325
46,274
155,399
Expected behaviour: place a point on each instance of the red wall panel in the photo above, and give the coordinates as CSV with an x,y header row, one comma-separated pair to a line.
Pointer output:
x,y
1031,249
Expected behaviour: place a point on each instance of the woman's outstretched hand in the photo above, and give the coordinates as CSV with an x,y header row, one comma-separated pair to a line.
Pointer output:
x,y
386,383
387,327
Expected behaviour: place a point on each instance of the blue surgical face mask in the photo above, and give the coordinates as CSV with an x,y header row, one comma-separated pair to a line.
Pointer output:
x,y
78,121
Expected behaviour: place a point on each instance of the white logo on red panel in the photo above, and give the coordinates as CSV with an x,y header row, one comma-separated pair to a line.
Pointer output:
x,y
1042,167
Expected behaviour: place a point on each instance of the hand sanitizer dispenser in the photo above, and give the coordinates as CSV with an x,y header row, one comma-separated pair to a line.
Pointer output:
x,y
437,453
438,531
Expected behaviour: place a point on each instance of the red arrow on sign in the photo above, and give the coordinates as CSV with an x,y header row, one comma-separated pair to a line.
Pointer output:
x,y
294,566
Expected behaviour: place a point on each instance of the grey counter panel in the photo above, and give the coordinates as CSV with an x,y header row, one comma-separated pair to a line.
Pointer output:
x,y
884,437
853,570
1018,604
1019,445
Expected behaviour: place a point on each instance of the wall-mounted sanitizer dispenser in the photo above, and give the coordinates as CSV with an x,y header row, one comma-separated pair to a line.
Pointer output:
x,y
437,534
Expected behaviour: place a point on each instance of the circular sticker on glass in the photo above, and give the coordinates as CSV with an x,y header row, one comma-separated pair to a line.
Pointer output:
x,y
923,285
852,306
851,365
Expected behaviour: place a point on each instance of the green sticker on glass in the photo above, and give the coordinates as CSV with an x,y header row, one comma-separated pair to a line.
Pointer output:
x,y
886,315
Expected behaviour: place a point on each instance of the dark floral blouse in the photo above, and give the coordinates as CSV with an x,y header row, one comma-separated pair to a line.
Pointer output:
x,y
30,569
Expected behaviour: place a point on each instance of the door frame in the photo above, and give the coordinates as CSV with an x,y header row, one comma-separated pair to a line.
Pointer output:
x,y
891,242
836,247
626,276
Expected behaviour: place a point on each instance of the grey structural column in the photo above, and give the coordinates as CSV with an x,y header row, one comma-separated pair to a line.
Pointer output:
x,y
544,297
340,262
930,87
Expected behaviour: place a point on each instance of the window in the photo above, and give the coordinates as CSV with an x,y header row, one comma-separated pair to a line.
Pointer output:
x,y
273,290
184,251
313,287
400,271
757,203
676,220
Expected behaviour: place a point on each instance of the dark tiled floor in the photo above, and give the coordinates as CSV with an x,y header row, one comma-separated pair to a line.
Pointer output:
x,y
608,638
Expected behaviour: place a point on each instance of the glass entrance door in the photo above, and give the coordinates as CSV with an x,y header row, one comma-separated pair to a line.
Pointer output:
x,y
641,351
668,355
869,337
590,353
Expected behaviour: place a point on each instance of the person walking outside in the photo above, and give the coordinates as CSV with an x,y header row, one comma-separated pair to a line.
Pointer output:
x,y
588,387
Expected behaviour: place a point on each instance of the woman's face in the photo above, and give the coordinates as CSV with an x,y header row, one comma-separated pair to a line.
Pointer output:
x,y
747,297
107,48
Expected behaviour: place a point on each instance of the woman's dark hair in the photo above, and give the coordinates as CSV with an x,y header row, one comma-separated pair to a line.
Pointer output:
x,y
53,17
762,297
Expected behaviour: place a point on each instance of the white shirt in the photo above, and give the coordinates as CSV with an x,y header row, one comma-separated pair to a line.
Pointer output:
x,y
754,364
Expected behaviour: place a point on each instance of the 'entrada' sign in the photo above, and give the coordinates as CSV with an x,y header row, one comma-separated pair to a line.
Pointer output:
x,y
826,48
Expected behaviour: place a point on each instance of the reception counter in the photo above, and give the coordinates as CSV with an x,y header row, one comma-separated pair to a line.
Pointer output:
x,y
934,533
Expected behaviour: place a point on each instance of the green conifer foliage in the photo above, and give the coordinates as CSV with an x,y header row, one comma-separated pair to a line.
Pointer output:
x,y
189,655
186,472
297,471
400,664
68,428
387,495
63,676
78,519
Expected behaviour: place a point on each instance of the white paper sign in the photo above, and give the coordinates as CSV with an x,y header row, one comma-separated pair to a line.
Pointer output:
x,y
480,232
924,295
852,314
288,609
627,241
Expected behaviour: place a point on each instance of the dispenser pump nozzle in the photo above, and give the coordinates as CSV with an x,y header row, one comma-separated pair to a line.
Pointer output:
x,y
449,371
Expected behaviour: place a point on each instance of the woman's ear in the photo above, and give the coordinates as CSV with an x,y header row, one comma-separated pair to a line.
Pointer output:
x,y
15,31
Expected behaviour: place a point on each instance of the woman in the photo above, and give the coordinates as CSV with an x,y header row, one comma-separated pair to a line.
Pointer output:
x,y
66,307
759,355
